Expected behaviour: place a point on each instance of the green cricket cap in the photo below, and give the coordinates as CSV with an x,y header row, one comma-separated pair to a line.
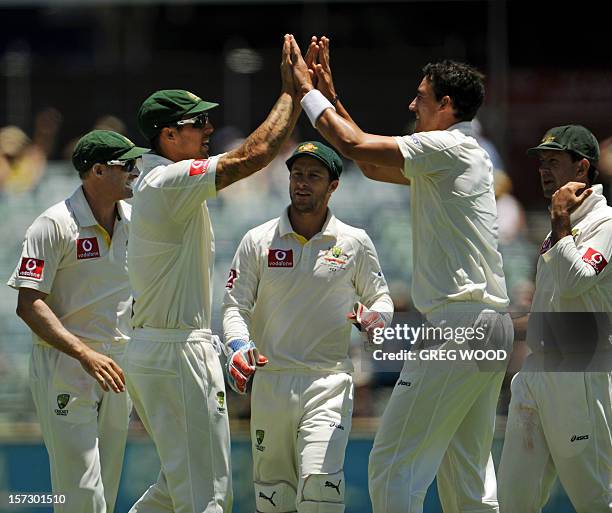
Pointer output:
x,y
100,146
321,152
574,138
167,106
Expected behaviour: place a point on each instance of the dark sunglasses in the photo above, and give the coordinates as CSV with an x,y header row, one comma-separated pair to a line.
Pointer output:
x,y
127,165
198,121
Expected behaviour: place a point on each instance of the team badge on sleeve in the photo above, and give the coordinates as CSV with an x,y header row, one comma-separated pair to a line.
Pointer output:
x,y
31,268
416,141
546,245
280,257
87,248
198,167
595,259
233,274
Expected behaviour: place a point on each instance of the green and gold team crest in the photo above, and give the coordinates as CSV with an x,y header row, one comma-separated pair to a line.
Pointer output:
x,y
259,436
62,402
221,402
335,258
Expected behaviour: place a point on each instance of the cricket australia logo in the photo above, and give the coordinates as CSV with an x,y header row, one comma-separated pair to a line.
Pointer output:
x,y
259,436
221,402
62,402
335,258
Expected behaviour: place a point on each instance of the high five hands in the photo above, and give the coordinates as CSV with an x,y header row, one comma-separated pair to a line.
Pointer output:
x,y
313,70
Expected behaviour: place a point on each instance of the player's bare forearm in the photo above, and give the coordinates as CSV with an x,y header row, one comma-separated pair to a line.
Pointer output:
x,y
32,308
356,144
261,146
560,226
374,172
42,321
383,174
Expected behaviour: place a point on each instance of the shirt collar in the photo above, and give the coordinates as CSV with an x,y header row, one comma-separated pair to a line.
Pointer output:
x,y
330,227
465,127
122,211
82,211
593,202
84,215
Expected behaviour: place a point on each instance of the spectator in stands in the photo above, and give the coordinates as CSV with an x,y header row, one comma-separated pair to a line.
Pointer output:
x,y
23,160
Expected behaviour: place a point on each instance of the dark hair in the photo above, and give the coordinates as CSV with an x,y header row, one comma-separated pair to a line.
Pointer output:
x,y
84,172
461,82
592,172
154,141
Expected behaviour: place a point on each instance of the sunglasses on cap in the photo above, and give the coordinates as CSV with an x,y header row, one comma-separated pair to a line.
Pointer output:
x,y
198,121
127,165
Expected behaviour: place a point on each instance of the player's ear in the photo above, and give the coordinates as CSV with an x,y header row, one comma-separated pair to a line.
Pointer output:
x,y
333,185
583,169
446,103
98,169
167,133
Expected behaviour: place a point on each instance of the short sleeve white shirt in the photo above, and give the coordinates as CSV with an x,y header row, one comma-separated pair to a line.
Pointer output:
x,y
69,256
454,219
171,255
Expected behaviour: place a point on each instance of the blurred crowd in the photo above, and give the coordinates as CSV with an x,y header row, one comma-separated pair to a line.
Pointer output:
x,y
35,172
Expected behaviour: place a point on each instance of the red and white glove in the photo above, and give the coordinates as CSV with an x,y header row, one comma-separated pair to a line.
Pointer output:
x,y
242,361
367,321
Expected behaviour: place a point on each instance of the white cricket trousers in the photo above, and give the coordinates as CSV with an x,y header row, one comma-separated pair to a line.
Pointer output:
x,y
558,423
440,420
83,427
300,425
176,382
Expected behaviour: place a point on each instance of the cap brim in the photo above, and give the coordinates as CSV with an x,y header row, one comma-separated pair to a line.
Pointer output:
x,y
545,147
133,153
289,162
201,107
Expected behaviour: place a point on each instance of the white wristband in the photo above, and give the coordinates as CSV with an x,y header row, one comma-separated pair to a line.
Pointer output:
x,y
314,104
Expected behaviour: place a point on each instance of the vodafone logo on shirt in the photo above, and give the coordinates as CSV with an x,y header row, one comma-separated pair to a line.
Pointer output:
x,y
595,259
280,258
31,268
87,248
198,167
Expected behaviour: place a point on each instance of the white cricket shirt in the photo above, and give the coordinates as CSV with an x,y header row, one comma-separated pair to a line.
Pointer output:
x,y
171,245
291,296
69,256
573,275
454,221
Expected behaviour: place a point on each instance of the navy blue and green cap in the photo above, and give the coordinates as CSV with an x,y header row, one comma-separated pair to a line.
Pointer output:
x,y
574,138
102,146
321,152
167,106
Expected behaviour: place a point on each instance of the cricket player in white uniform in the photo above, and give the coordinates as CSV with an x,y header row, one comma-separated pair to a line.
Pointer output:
x,y
74,294
173,371
440,418
559,422
293,281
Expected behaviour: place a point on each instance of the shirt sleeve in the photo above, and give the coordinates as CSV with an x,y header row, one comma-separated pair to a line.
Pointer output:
x,y
41,256
577,268
370,284
241,291
426,152
185,185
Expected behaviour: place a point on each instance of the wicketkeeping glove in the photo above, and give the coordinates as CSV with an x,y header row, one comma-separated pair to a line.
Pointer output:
x,y
366,321
242,361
